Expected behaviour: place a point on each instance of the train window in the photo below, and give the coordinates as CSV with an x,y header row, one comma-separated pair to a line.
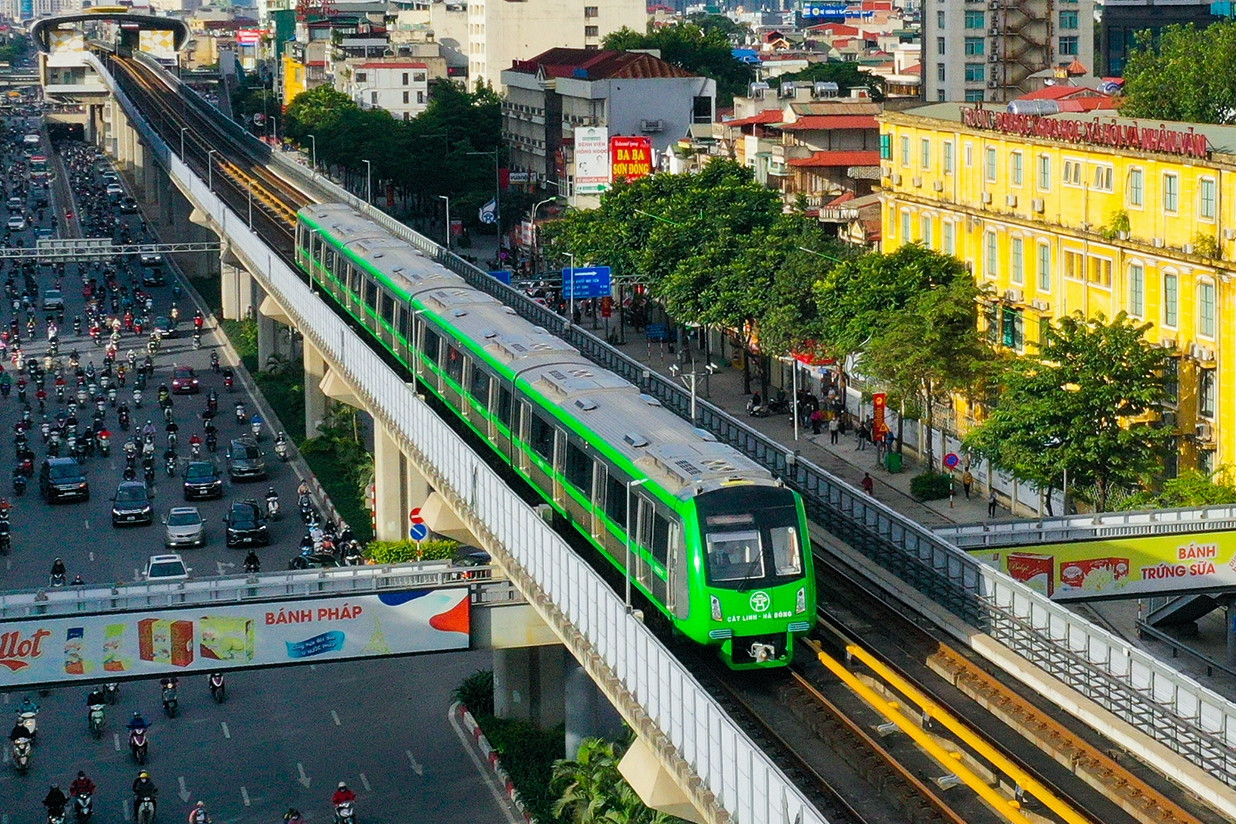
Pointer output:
x,y
330,260
787,560
430,347
371,294
388,308
454,364
542,437
579,468
660,539
478,384
505,401
404,317
616,501
735,556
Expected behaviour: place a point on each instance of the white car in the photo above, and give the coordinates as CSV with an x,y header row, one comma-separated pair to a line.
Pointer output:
x,y
184,527
17,223
162,568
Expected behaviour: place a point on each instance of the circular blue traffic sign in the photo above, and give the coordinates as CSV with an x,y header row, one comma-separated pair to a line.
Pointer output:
x,y
418,532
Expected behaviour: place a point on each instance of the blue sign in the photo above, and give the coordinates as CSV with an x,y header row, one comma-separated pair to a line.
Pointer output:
x,y
826,11
590,282
503,275
418,532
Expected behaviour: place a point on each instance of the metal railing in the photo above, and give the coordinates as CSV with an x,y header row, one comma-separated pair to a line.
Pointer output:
x,y
1148,694
717,763
1091,527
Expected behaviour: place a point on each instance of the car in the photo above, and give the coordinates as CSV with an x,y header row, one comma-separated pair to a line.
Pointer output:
x,y
317,560
128,206
17,223
131,504
152,259
184,381
108,174
62,479
470,556
16,204
114,190
153,277
165,326
53,300
202,480
184,527
169,567
245,460
246,525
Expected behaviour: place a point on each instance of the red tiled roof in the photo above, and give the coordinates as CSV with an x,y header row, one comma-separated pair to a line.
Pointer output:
x,y
834,29
917,68
762,119
827,160
1086,104
831,121
599,64
844,198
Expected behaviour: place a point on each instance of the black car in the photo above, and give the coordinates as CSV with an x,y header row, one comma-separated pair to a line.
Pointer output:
x,y
317,560
245,460
246,525
202,481
131,504
62,479
128,206
165,326
153,277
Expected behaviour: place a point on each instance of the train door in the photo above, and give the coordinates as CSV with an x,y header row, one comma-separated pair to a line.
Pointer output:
x,y
645,513
600,484
524,437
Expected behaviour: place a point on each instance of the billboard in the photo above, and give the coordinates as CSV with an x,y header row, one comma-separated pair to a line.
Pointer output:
x,y
585,282
1120,567
591,160
630,157
204,639
249,37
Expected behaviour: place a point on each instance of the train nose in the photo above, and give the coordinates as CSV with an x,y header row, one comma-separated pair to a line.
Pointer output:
x,y
763,653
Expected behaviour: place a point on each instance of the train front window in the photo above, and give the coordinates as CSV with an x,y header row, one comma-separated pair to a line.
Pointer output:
x,y
787,560
735,556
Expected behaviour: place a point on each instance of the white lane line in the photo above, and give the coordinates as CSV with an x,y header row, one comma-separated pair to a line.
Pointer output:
x,y
116,741
184,793
244,796
124,805
365,783
226,732
92,556
335,716
416,767
487,774
303,779
88,527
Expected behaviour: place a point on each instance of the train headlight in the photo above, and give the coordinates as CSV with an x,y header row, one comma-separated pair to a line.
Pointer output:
x,y
800,602
715,602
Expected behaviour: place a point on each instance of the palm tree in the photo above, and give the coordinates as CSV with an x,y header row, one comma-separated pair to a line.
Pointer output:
x,y
590,789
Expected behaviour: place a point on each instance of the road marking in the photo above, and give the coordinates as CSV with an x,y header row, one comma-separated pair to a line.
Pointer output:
x,y
92,556
116,740
88,527
221,567
304,779
335,716
124,806
244,796
137,574
365,782
486,773
5,757
416,768
226,732
184,791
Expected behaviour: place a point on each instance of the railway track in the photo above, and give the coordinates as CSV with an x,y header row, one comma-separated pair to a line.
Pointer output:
x,y
868,735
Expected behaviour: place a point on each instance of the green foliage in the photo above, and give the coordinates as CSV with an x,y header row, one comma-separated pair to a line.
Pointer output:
x,y
1183,73
1117,224
591,790
401,552
477,693
705,51
1205,245
931,486
343,467
1191,488
846,74
1083,406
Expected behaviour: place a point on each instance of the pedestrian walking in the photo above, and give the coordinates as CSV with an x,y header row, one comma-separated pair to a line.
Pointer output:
x,y
991,505
863,434
967,481
834,430
868,484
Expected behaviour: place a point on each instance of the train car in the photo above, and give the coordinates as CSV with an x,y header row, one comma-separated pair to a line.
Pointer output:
x,y
710,537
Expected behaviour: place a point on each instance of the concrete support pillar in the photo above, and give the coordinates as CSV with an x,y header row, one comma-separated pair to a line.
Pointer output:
x,y
588,712
528,684
236,286
267,339
90,128
139,165
315,398
390,473
155,181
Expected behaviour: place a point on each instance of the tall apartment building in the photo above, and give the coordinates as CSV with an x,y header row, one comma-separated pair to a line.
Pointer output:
x,y
501,32
987,49
1123,19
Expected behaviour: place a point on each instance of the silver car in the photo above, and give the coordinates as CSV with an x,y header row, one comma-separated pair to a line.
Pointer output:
x,y
185,527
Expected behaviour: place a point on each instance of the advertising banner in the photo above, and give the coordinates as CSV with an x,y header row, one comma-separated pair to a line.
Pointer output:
x,y
1120,567
879,403
249,37
116,645
591,160
630,157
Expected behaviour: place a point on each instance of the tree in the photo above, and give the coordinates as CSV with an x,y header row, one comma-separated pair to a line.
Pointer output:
x,y
846,74
1191,488
1186,75
686,45
591,790
1087,406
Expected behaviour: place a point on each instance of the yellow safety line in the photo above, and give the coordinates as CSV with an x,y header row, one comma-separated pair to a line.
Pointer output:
x,y
1006,807
1026,781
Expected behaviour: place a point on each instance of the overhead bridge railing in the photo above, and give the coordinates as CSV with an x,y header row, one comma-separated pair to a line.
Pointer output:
x,y
1091,527
719,767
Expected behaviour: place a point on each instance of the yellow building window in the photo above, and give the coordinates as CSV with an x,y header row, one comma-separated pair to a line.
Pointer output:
x,y
1171,193
924,152
1073,265
1206,308
1137,187
1072,172
1015,168
1044,162
1016,261
989,165
992,254
948,157
950,243
1103,178
1137,290
1044,267
1206,198
1171,300
1101,272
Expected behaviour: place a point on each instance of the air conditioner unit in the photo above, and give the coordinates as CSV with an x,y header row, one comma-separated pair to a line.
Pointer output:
x,y
1037,204
1157,242
652,125
993,58
991,84
1204,432
1169,419
1010,201
1187,248
1167,343
994,4
1229,234
1040,305
938,185
987,197
1202,354
917,181
896,180
1013,295
993,31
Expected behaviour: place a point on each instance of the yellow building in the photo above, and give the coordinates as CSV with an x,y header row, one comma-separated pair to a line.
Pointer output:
x,y
1089,213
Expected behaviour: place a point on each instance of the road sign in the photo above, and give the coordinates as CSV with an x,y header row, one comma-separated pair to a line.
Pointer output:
x,y
418,532
414,517
503,275
582,283
951,460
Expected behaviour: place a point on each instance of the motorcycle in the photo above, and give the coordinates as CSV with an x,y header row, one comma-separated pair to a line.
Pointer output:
x,y
96,720
29,719
218,689
83,807
169,463
111,691
57,580
144,810
241,414
21,755
281,449
138,745
214,362
197,340
170,703
756,410
56,816
345,813
256,427
19,482
5,538
150,474
105,444
272,507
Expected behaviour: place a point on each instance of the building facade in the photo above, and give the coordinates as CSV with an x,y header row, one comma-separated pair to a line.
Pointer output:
x,y
1073,213
401,87
987,50
1123,19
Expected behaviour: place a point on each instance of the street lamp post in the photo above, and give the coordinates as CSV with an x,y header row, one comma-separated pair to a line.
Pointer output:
x,y
368,181
571,275
313,149
210,169
536,240
448,221
497,193
631,522
689,379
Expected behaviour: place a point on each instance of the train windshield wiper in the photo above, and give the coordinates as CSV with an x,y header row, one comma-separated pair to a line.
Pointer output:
x,y
755,566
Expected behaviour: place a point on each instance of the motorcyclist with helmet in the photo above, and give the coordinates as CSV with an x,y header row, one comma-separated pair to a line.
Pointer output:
x,y
198,814
342,795
55,801
81,785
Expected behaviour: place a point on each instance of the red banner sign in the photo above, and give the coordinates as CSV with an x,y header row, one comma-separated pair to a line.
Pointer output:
x,y
630,157
878,427
1095,133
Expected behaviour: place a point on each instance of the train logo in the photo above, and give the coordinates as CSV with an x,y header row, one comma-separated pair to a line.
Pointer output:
x,y
760,601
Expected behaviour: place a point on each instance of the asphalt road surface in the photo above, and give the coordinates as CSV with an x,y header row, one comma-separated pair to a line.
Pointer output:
x,y
283,737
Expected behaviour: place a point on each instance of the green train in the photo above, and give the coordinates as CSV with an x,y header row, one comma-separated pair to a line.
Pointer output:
x,y
718,545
